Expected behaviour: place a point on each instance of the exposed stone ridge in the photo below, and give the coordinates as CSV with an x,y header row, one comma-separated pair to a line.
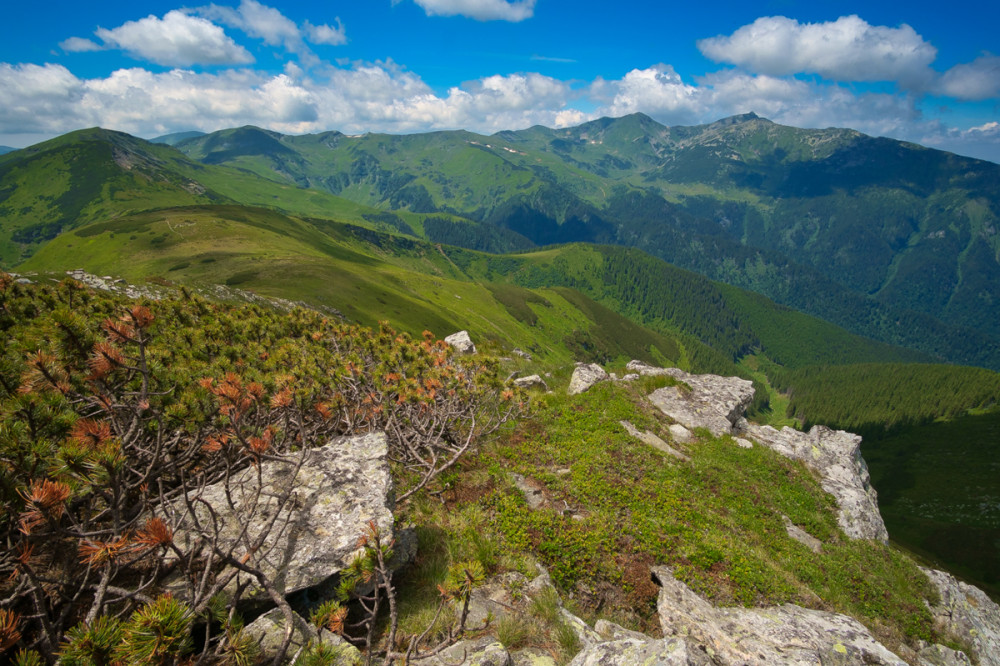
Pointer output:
x,y
967,612
714,402
695,633
339,488
718,404
785,634
836,455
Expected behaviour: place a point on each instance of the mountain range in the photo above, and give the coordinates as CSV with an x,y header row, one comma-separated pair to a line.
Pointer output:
x,y
887,239
741,247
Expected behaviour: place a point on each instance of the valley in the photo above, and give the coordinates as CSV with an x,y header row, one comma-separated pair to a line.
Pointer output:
x,y
855,281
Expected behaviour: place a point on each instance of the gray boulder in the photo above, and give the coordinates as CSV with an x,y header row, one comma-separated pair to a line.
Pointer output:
x,y
531,381
268,631
584,376
338,490
836,455
967,612
714,402
461,342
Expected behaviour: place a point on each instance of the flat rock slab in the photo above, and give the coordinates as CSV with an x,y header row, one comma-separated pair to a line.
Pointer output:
x,y
714,402
338,490
836,455
653,440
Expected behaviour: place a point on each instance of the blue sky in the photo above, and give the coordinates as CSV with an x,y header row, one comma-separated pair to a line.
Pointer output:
x,y
914,71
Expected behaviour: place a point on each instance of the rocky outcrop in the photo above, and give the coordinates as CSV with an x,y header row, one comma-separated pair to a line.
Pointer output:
x,y
632,651
713,402
461,342
695,633
584,376
480,652
836,455
338,489
718,404
786,634
969,614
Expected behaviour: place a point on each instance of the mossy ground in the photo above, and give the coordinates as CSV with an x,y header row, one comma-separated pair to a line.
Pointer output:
x,y
614,507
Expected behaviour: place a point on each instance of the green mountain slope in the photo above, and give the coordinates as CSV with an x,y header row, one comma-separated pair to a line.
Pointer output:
x,y
367,275
857,230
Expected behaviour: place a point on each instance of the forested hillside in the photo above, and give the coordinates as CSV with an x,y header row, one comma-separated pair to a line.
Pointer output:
x,y
887,239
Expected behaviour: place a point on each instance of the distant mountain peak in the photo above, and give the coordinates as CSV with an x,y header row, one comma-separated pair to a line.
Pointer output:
x,y
738,119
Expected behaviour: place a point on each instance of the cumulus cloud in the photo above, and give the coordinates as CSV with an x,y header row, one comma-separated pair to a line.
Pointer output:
x,y
481,10
372,96
657,91
177,40
977,80
848,49
326,34
78,45
275,29
259,21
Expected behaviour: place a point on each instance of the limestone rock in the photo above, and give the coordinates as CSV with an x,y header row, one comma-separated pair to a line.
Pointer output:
x,y
584,376
803,537
461,342
584,633
632,651
520,352
966,611
785,634
610,631
531,381
339,488
680,434
481,652
644,369
653,440
493,599
939,655
713,402
531,491
532,657
268,631
836,455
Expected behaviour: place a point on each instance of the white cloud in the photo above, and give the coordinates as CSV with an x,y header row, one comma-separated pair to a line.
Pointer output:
x,y
481,10
177,40
657,91
259,21
35,96
326,34
275,29
78,45
848,49
977,80
374,96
